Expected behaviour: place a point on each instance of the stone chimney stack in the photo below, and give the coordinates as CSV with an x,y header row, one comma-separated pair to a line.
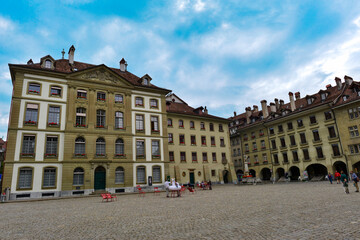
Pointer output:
x,y
272,107
281,103
264,109
123,65
234,114
292,102
348,80
297,95
256,108
205,110
248,115
338,83
277,105
71,54
328,86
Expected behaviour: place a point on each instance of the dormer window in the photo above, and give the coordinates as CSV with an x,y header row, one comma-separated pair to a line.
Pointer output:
x,y
323,96
345,97
47,64
146,81
310,100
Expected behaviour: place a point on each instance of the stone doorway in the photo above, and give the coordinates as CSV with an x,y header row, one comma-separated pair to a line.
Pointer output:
x,y
294,173
100,178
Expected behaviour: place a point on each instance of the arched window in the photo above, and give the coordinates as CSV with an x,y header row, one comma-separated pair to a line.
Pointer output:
x,y
78,178
80,146
119,175
100,147
119,147
119,120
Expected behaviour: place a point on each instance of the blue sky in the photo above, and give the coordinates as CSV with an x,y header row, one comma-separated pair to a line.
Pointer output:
x,y
225,55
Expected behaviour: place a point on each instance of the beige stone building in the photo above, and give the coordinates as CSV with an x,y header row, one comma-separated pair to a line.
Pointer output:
x,y
199,148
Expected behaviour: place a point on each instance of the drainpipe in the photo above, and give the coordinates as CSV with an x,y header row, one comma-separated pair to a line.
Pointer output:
x,y
271,156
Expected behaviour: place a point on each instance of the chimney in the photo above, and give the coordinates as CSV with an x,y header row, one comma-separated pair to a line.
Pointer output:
x,y
123,65
297,95
328,86
71,54
338,83
264,109
248,114
277,103
348,80
281,103
292,102
205,110
272,107
256,108
30,62
234,114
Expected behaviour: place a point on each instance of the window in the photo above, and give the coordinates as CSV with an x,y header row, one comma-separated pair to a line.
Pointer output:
x,y
303,138
154,103
213,173
47,64
312,119
328,115
354,149
171,138
182,139
222,142
271,130
354,132
254,146
34,88
31,115
100,118
261,132
78,178
280,128
292,140
140,175
309,101
51,146
155,148
156,174
234,154
285,157
28,147
181,123
306,154
300,123
55,91
223,157
212,141
245,137
154,124
192,125
194,156
193,139
171,156
221,128
119,147
54,116
345,98
214,157
101,96
273,144
81,94
336,150
49,177
323,96
253,135
139,101
140,148
319,152
256,159
119,175
79,146
202,126
119,120
25,178
282,141
80,117
290,126
262,144
139,122
332,133
239,152
169,122
246,148
316,135
182,156
100,147
119,98
211,126
204,155
354,112
276,158
295,156
203,140
264,156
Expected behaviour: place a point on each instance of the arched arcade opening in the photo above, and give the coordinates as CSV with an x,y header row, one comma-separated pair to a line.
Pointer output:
x,y
265,174
294,173
316,170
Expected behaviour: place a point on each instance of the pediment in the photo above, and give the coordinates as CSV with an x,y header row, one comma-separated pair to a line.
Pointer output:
x,y
101,74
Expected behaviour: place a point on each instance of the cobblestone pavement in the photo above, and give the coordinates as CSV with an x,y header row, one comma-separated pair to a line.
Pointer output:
x,y
280,211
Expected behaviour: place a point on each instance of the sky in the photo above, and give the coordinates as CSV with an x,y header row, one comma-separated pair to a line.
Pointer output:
x,y
223,54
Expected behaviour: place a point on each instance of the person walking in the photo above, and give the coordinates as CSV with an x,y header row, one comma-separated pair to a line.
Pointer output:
x,y
343,176
337,177
330,177
166,184
346,186
355,178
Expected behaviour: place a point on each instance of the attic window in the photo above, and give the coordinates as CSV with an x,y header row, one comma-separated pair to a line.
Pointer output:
x,y
323,96
310,100
47,64
146,81
345,97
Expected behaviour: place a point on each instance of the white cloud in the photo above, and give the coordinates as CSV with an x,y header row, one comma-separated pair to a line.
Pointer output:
x,y
6,25
182,4
199,6
105,54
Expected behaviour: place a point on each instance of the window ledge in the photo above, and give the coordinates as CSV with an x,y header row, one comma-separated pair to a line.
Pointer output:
x,y
80,125
27,155
337,156
120,155
81,155
49,155
320,159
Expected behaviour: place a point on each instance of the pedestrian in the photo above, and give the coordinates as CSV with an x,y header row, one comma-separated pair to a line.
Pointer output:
x,y
166,184
355,178
330,177
337,177
343,177
346,186
306,176
209,183
286,176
